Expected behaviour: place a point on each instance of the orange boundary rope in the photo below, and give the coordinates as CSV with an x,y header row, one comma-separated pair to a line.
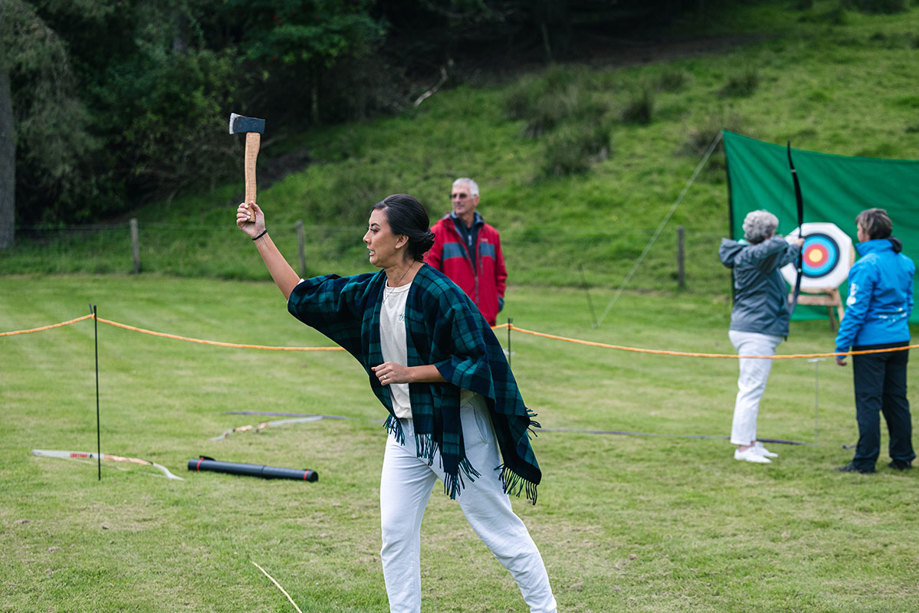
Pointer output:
x,y
172,336
217,343
63,323
706,355
510,326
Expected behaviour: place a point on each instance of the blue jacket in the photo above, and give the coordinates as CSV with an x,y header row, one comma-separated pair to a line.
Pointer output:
x,y
760,293
880,296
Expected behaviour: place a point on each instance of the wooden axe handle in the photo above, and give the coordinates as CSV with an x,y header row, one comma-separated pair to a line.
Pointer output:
x,y
253,141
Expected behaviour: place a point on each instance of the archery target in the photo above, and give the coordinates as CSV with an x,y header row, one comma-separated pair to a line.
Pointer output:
x,y
821,254
827,255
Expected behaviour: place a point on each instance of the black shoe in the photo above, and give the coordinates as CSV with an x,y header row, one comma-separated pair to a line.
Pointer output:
x,y
852,468
900,465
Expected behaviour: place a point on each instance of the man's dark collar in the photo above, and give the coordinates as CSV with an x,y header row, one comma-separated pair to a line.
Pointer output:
x,y
476,220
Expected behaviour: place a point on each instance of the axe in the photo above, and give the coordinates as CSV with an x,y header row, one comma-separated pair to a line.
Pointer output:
x,y
253,128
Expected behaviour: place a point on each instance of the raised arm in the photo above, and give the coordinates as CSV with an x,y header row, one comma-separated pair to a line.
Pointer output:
x,y
283,274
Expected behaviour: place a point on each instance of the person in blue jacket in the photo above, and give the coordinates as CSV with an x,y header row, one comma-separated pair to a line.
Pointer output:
x,y
759,320
877,317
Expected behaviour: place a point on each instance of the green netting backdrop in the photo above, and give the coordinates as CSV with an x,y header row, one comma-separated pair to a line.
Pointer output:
x,y
835,189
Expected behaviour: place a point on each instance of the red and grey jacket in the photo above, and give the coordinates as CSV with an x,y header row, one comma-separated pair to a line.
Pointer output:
x,y
484,281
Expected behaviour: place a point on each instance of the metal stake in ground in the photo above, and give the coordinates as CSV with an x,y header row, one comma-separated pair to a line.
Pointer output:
x,y
816,362
92,309
253,129
510,324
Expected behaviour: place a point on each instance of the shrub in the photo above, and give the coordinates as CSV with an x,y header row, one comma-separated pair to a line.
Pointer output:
x,y
836,16
742,85
547,100
640,110
700,138
880,6
573,148
672,81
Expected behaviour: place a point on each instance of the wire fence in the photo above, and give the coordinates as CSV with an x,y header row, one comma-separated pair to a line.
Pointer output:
x,y
534,256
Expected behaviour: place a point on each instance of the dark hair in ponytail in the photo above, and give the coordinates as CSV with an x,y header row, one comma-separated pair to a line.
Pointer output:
x,y
406,216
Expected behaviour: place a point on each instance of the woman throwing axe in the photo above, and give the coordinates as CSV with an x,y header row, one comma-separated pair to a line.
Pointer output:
x,y
455,412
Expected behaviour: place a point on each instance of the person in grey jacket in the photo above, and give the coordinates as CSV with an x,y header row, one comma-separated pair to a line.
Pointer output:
x,y
759,320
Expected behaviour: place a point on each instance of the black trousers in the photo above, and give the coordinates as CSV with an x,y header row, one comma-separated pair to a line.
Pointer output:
x,y
880,388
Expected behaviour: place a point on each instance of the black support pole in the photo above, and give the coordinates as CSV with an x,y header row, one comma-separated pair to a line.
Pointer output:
x,y
92,309
510,324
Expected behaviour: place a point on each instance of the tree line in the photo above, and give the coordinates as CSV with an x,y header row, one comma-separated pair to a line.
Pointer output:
x,y
105,104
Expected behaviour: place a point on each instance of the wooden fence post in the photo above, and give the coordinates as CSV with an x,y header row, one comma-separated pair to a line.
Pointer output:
x,y
135,245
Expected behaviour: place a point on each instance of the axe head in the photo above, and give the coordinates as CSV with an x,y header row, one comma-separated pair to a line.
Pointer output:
x,y
240,124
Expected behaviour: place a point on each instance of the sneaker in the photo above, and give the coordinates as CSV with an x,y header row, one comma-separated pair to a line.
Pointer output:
x,y
761,449
852,468
751,455
900,465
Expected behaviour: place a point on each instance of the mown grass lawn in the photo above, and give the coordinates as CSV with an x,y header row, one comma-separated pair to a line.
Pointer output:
x,y
668,522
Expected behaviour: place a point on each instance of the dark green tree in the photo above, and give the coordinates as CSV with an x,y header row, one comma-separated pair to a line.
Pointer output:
x,y
43,125
298,56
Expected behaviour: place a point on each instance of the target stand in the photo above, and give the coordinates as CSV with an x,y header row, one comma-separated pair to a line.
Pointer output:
x,y
827,256
829,298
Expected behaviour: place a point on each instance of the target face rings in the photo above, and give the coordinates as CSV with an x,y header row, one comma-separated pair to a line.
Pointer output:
x,y
821,255
827,256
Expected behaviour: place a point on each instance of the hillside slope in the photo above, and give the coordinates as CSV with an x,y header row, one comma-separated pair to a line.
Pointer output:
x,y
839,82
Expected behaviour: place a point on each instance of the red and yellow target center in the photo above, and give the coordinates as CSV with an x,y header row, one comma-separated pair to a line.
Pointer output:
x,y
816,255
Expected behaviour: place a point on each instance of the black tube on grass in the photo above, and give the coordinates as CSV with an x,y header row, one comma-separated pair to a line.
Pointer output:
x,y
252,470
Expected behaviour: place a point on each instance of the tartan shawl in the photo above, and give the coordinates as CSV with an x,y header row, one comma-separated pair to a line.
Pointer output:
x,y
443,328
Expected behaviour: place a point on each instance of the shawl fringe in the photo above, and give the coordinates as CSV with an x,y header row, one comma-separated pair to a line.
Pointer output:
x,y
534,425
426,449
393,427
454,483
514,484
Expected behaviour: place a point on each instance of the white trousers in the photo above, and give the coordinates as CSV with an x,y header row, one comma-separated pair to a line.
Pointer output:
x,y
752,382
405,487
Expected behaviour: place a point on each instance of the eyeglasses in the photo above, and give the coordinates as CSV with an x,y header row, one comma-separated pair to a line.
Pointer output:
x,y
459,196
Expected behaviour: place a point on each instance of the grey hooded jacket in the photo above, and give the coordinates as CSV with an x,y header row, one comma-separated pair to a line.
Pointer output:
x,y
761,296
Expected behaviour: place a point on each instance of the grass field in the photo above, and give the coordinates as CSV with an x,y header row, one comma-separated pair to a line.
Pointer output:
x,y
662,519
625,522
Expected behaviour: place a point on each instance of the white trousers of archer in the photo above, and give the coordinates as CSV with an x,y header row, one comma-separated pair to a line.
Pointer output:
x,y
754,372
405,487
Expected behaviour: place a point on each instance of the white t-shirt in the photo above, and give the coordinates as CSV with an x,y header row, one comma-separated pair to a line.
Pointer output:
x,y
392,343
394,348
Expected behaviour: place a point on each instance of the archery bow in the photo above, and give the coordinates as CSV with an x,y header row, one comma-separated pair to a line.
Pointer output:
x,y
263,425
799,201
73,455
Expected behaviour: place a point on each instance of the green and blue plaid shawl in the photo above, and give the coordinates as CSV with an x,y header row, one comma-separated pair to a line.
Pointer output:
x,y
443,328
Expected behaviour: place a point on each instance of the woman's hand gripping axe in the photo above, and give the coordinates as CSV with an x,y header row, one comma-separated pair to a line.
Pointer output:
x,y
253,129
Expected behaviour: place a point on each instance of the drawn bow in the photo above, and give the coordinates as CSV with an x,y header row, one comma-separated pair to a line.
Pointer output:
x,y
799,201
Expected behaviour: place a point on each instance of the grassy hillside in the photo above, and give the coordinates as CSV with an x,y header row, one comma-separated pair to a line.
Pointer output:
x,y
829,80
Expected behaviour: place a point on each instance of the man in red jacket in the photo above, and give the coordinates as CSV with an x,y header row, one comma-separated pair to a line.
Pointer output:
x,y
468,250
